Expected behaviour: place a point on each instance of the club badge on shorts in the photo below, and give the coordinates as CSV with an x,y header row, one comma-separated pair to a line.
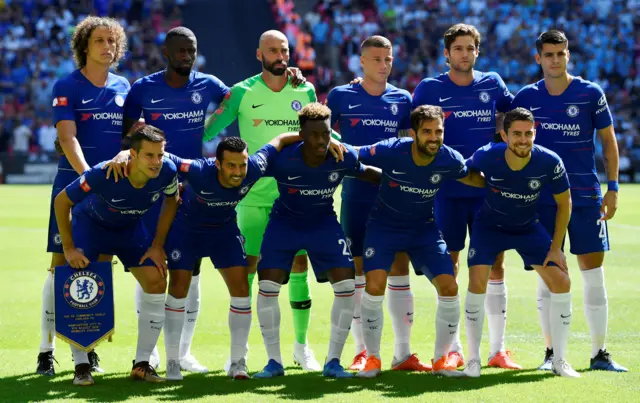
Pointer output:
x,y
84,304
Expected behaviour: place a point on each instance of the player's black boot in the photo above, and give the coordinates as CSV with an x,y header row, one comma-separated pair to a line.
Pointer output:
x,y
548,358
94,361
45,364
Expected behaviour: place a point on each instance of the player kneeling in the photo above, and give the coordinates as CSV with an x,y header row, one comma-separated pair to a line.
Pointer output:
x,y
516,171
106,221
402,220
303,218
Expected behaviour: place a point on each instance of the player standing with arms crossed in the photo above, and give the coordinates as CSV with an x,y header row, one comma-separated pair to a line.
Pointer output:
x,y
568,109
471,101
367,112
86,103
516,171
267,105
176,100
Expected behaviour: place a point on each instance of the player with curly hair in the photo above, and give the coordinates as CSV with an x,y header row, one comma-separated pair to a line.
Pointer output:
x,y
86,102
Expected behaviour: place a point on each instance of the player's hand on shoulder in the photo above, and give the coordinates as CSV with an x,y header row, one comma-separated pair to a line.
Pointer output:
x,y
118,165
181,188
556,256
158,257
76,258
356,80
609,205
297,79
337,149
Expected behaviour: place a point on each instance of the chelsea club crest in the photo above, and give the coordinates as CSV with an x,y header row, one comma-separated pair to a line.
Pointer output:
x,y
83,290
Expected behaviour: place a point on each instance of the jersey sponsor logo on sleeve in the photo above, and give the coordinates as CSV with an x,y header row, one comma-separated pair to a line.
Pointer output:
x,y
60,101
603,100
559,170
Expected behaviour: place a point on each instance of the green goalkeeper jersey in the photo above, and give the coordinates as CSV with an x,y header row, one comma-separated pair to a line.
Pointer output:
x,y
262,115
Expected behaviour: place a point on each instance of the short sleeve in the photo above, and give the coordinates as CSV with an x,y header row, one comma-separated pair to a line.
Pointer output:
x,y
560,179
259,161
63,105
172,178
218,90
405,121
333,103
421,94
356,167
476,161
376,154
506,97
133,103
601,114
88,183
458,167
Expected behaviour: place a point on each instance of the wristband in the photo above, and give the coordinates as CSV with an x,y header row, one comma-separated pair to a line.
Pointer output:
x,y
612,185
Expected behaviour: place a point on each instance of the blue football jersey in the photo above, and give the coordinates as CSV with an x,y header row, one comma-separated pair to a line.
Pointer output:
x,y
366,119
407,191
205,202
97,112
179,112
566,124
306,193
469,116
511,197
118,204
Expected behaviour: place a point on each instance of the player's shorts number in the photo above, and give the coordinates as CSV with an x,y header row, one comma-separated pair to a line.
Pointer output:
x,y
345,248
603,229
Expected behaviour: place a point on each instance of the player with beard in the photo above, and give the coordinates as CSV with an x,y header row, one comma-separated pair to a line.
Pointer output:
x,y
175,100
516,171
413,170
472,101
87,111
569,110
267,105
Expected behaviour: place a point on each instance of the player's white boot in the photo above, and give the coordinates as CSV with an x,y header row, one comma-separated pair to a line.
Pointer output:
x,y
189,363
303,356
173,371
154,359
473,368
563,368
238,370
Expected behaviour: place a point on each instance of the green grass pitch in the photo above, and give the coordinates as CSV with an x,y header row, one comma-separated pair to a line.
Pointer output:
x,y
23,222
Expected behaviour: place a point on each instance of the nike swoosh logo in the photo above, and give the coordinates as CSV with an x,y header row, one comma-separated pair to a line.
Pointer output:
x,y
86,101
49,313
409,313
565,317
444,99
450,325
155,101
305,305
393,171
293,177
207,193
354,106
375,320
534,109
496,179
116,200
256,106
189,312
162,321
471,313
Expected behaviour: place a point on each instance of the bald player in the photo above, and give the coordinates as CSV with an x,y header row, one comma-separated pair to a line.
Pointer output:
x,y
267,105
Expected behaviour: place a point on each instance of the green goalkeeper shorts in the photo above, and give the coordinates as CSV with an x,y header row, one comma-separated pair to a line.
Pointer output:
x,y
252,222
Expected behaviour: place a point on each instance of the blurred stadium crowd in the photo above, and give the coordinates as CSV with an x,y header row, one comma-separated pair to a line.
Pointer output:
x,y
604,40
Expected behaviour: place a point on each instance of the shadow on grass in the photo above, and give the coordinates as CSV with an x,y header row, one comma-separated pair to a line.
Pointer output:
x,y
297,385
